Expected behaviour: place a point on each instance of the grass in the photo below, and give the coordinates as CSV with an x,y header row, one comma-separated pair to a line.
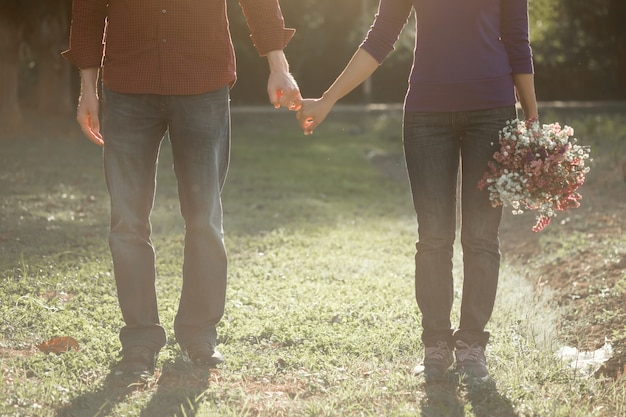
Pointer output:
x,y
320,316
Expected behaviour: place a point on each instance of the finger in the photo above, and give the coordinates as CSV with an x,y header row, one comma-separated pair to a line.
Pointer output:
x,y
292,99
296,101
303,120
307,124
97,138
275,98
91,129
94,137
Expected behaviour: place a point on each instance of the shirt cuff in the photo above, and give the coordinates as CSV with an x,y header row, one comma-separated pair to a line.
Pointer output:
x,y
278,42
83,60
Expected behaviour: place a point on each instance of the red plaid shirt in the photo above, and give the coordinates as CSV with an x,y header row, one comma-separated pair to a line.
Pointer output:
x,y
167,47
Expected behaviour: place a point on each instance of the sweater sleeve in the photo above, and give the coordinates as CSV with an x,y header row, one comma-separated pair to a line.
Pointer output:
x,y
87,33
267,25
515,35
391,17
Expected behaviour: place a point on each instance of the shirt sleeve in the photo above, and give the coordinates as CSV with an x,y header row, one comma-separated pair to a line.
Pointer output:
x,y
515,35
391,17
87,33
267,25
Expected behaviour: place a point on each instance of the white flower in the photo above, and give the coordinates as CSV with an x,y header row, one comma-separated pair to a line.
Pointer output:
x,y
511,181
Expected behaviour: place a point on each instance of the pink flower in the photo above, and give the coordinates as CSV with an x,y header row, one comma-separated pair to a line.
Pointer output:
x,y
537,168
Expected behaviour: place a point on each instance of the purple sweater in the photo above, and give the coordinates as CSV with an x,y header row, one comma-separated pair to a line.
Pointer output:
x,y
465,51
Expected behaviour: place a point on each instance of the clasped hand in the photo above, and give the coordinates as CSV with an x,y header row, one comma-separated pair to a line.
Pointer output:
x,y
312,113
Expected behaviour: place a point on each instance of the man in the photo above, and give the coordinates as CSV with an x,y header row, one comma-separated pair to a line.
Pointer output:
x,y
167,66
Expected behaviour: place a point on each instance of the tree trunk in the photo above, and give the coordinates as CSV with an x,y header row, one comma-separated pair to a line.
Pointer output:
x,y
54,81
617,11
10,112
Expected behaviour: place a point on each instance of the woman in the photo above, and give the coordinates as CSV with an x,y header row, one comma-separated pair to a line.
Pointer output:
x,y
472,63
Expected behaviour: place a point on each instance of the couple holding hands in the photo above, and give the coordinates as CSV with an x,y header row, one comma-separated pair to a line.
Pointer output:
x,y
168,67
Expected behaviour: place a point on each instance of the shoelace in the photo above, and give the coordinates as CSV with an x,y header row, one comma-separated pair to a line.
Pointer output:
x,y
441,351
466,352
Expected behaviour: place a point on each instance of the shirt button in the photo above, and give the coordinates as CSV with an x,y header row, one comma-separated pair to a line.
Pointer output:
x,y
163,40
163,11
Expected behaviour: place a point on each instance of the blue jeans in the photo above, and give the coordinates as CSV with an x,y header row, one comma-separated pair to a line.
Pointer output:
x,y
435,145
133,127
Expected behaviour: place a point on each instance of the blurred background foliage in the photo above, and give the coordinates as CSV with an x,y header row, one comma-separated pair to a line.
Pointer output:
x,y
579,49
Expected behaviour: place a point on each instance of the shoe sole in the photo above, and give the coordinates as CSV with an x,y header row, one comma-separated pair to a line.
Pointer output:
x,y
469,377
432,375
145,373
134,374
211,363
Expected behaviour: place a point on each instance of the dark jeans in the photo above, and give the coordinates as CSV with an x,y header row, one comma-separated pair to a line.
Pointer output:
x,y
133,127
435,144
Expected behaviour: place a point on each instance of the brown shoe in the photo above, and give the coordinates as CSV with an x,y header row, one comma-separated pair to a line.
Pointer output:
x,y
438,360
203,354
136,361
470,361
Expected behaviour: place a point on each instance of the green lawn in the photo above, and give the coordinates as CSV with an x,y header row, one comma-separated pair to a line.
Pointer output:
x,y
320,317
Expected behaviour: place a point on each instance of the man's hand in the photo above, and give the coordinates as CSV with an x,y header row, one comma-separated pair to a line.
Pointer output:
x,y
282,88
87,117
89,106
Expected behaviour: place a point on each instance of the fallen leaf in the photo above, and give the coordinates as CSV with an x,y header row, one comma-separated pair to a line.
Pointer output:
x,y
58,345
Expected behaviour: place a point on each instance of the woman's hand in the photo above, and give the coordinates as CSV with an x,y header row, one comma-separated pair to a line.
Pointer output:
x,y
312,113
532,121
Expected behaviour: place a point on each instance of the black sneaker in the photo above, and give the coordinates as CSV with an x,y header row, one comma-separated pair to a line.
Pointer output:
x,y
203,354
438,360
471,361
136,361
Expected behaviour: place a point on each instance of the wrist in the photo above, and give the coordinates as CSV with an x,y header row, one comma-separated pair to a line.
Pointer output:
x,y
329,97
89,80
277,61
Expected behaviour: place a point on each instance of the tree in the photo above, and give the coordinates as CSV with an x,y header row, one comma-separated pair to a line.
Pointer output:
x,y
32,35
327,36
46,34
579,48
617,13
10,34
325,39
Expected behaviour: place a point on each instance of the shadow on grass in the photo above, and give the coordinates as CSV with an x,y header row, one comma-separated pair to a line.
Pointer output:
x,y
180,390
453,398
101,402
179,393
34,239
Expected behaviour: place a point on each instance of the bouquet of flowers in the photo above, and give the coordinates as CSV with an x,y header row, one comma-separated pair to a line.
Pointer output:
x,y
538,167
